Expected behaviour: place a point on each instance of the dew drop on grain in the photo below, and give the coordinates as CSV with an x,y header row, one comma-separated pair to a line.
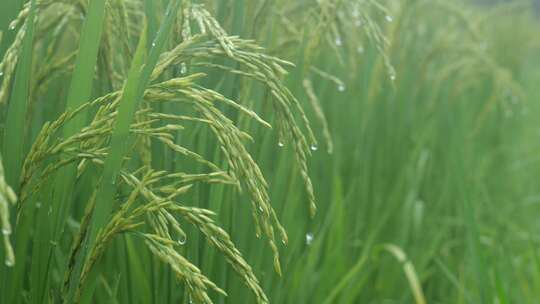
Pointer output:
x,y
280,144
6,231
341,87
314,147
182,241
9,263
389,18
338,41
309,238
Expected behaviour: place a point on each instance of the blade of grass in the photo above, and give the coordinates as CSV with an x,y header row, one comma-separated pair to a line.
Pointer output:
x,y
13,150
7,13
107,188
80,91
410,273
138,79
13,144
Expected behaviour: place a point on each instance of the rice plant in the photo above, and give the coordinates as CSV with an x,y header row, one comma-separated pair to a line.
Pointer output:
x,y
268,151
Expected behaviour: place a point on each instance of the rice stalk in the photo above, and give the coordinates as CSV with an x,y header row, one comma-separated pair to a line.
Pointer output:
x,y
7,197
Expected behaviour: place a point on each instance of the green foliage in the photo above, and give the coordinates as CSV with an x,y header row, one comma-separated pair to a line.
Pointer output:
x,y
268,151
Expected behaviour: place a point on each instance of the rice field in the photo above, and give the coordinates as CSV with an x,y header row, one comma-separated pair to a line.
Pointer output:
x,y
269,151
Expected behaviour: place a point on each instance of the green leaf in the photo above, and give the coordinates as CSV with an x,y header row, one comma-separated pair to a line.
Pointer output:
x,y
14,133
138,79
13,145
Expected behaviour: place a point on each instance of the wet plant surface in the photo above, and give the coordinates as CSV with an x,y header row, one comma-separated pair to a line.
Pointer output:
x,y
268,151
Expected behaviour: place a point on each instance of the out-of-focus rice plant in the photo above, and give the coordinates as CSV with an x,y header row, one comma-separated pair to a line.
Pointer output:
x,y
268,151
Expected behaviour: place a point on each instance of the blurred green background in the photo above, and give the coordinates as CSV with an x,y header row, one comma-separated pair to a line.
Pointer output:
x,y
426,172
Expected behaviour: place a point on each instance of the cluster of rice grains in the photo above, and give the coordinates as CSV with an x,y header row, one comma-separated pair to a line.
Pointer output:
x,y
7,196
148,201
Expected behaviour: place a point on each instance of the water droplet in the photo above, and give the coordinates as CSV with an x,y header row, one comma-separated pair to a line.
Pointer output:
x,y
1,74
261,209
113,180
389,18
393,77
314,147
284,241
153,44
6,231
12,27
38,205
341,87
182,241
9,263
360,49
309,238
280,144
183,68
338,41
